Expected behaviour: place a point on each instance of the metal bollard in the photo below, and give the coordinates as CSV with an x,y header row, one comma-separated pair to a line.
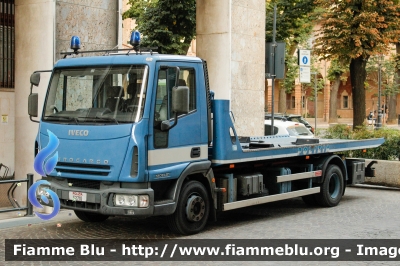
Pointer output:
x,y
29,211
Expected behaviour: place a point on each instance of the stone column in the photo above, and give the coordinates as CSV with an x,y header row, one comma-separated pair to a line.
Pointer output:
x,y
231,37
34,49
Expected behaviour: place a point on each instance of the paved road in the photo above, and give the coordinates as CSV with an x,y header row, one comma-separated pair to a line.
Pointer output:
x,y
364,213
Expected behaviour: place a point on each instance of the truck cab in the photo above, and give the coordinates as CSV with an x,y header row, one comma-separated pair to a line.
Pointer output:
x,y
123,140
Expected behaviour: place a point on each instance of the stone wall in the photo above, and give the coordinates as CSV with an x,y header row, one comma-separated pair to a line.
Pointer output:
x,y
94,21
387,173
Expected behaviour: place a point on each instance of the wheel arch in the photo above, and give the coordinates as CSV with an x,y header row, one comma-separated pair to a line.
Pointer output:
x,y
336,160
199,171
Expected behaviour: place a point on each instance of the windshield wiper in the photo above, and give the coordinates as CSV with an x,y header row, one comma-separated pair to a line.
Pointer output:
x,y
107,119
58,118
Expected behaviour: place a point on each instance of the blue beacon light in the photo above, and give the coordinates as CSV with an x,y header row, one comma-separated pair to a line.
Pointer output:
x,y
135,39
75,44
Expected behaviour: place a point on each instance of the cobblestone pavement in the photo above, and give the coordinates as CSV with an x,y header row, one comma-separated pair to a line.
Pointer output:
x,y
364,213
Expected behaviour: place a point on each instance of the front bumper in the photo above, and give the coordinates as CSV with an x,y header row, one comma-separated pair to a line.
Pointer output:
x,y
100,200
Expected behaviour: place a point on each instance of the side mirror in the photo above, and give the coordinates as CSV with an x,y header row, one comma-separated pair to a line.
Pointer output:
x,y
180,105
33,105
180,100
33,97
35,79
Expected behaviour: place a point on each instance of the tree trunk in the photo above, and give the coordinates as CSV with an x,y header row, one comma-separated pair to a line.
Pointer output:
x,y
358,74
333,118
392,103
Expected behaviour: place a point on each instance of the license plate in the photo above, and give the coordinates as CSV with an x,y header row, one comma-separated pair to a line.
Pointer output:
x,y
77,196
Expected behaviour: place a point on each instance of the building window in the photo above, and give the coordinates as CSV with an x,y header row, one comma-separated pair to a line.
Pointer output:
x,y
345,102
293,102
7,38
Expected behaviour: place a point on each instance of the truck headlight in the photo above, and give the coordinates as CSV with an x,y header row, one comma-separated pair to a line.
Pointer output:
x,y
141,201
126,200
42,190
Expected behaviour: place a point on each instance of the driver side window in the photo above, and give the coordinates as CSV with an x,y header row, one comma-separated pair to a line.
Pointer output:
x,y
166,81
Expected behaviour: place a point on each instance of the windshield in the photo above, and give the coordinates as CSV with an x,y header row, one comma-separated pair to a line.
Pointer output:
x,y
298,131
97,95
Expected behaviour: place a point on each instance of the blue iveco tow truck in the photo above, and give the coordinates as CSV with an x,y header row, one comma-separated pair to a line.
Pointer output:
x,y
140,134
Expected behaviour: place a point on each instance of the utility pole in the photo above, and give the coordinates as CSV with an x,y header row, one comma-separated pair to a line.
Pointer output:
x,y
273,74
315,102
379,122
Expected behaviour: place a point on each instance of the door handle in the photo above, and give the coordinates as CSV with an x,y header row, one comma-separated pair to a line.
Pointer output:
x,y
195,152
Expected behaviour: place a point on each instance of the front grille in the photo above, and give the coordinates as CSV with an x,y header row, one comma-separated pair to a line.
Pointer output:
x,y
84,183
83,169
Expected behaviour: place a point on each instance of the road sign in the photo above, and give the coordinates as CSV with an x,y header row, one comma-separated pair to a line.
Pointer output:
x,y
305,74
304,57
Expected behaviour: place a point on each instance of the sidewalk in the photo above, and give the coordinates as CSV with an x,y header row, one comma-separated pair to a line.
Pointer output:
x,y
348,121
18,218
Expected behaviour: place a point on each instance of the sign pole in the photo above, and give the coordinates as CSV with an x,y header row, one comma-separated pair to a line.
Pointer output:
x,y
273,71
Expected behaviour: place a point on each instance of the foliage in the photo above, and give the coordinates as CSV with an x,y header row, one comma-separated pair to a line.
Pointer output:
x,y
337,69
356,30
311,86
389,150
339,131
169,25
138,7
352,29
389,73
294,23
292,72
294,20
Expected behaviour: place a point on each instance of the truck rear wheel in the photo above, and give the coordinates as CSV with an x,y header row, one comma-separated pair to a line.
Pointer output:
x,y
192,210
332,187
91,217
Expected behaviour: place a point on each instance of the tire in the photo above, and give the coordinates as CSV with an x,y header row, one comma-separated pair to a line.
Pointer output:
x,y
91,217
192,210
332,188
310,200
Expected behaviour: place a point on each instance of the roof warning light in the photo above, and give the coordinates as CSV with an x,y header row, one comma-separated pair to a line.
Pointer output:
x,y
75,44
135,39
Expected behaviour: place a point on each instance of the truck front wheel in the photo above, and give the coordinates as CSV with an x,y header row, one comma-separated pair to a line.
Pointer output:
x,y
91,217
192,210
332,187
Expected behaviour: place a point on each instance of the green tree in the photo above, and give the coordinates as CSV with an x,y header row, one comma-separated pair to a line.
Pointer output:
x,y
355,30
335,75
294,23
389,76
169,25
316,82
